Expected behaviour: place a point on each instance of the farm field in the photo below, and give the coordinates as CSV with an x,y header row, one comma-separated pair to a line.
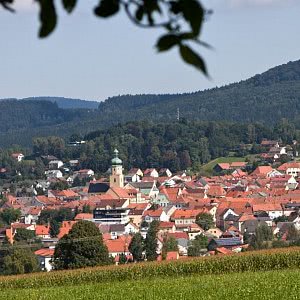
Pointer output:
x,y
279,284
265,274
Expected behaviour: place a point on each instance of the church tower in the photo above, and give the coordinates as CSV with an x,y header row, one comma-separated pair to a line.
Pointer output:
x,y
116,178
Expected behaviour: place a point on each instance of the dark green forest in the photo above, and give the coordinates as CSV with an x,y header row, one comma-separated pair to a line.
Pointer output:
x,y
183,145
175,145
267,99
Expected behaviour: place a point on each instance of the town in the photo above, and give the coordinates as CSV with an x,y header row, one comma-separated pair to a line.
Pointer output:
x,y
229,212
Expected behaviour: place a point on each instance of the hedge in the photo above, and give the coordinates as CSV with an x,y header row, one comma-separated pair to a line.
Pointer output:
x,y
275,259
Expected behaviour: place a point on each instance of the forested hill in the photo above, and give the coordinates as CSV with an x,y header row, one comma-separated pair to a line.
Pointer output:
x,y
265,98
66,103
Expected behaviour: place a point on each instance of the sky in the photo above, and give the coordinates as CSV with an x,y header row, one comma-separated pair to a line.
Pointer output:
x,y
91,58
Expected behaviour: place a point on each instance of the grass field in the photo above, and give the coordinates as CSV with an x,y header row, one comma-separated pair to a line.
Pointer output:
x,y
282,284
266,274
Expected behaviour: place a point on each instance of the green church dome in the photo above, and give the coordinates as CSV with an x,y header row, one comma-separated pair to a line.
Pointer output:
x,y
116,160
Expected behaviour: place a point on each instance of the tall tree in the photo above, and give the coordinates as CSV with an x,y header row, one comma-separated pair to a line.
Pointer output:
x,y
82,247
136,247
54,228
151,241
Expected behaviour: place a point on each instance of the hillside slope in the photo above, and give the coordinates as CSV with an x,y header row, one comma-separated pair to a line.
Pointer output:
x,y
266,98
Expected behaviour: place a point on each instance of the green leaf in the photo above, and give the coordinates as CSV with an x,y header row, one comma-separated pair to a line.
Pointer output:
x,y
192,58
69,5
139,14
107,8
193,13
167,41
48,17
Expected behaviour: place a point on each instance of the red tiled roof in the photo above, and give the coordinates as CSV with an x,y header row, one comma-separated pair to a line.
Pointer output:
x,y
118,245
153,213
46,252
188,213
267,207
178,235
285,166
42,230
83,216
65,228
223,250
262,170
166,224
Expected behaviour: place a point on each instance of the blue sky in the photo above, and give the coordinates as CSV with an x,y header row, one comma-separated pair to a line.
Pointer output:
x,y
93,59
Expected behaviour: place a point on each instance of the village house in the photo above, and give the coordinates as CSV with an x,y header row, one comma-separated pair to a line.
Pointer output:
x,y
45,255
148,188
134,175
111,212
151,173
291,168
158,215
55,164
18,156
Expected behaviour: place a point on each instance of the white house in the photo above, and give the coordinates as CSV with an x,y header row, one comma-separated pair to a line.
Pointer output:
x,y
55,164
31,217
53,174
158,215
44,256
134,175
151,172
292,168
131,228
274,210
18,156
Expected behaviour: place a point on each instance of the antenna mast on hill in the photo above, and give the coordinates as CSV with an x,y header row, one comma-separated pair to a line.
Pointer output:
x,y
178,114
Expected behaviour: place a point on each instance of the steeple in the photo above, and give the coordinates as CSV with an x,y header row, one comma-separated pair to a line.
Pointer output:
x,y
116,160
116,178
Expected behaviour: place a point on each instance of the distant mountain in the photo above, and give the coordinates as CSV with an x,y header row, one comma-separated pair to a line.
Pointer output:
x,y
65,103
265,98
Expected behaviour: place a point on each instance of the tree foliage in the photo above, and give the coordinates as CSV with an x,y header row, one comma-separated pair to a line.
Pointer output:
x,y
199,244
19,261
292,233
169,244
54,228
136,247
151,241
205,221
82,247
10,215
263,234
24,235
59,215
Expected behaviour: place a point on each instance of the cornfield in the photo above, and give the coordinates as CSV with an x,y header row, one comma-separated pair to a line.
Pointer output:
x,y
267,260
